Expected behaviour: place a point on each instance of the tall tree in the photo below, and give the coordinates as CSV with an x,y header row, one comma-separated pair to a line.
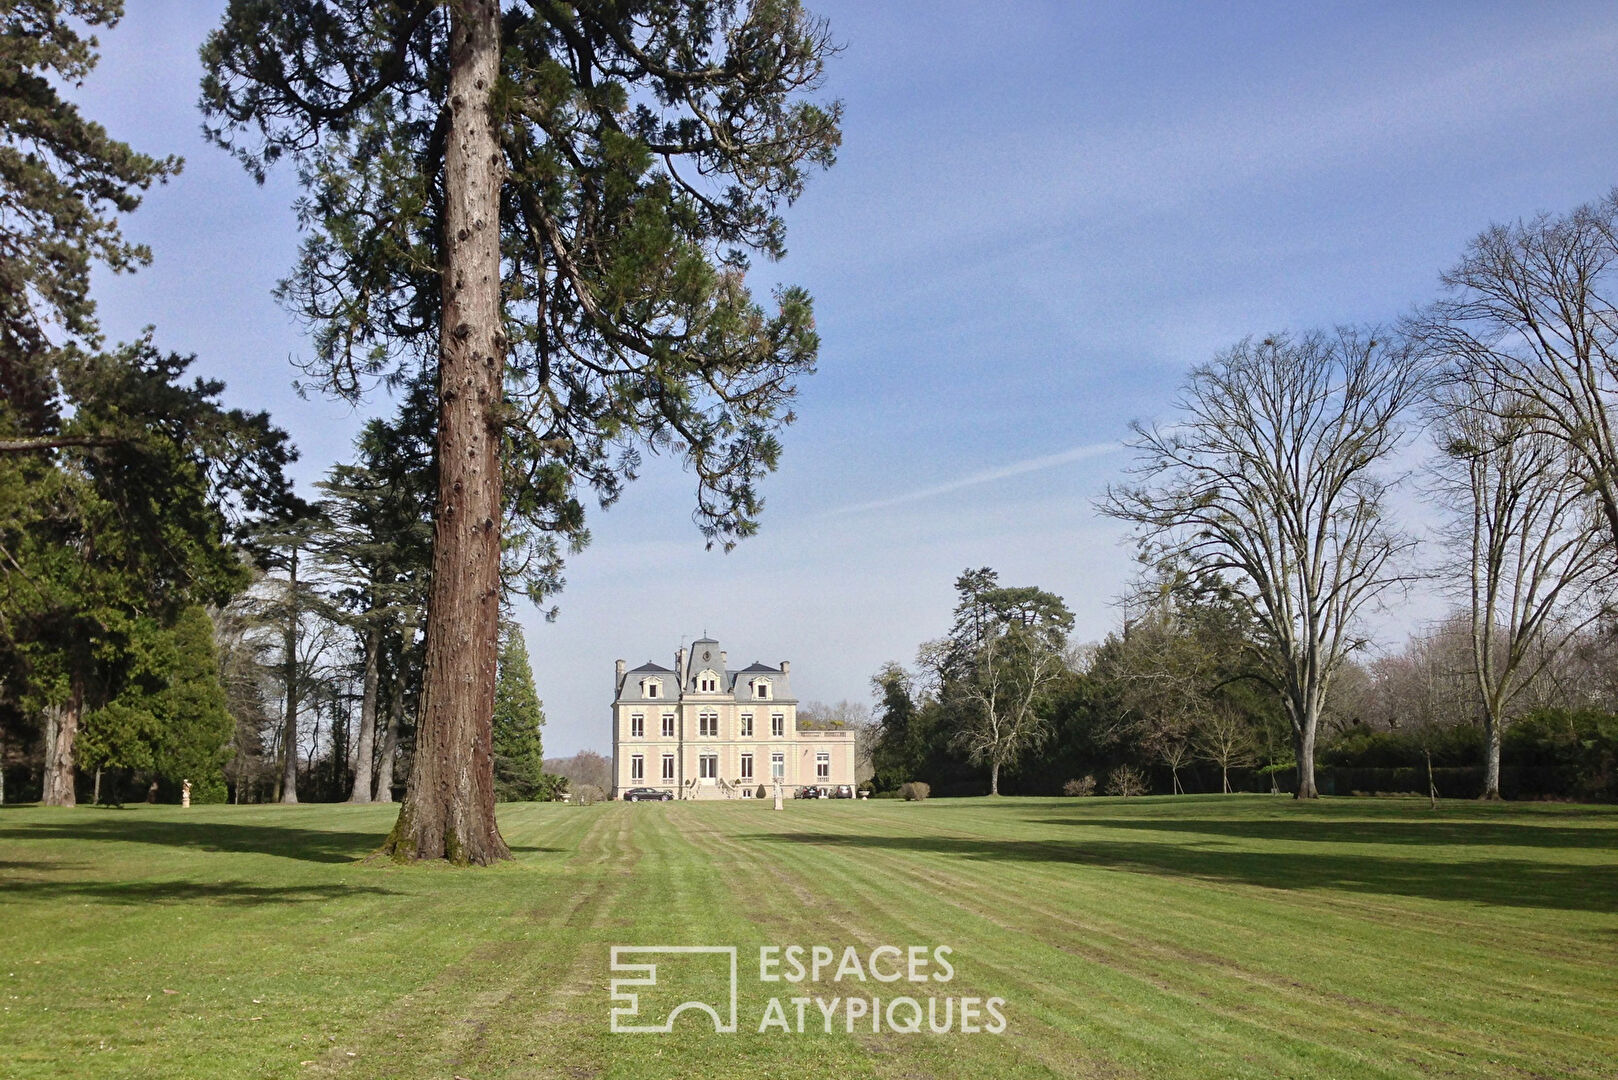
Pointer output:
x,y
1528,543
111,541
1269,478
63,181
377,549
1002,655
1531,321
1015,667
552,204
519,754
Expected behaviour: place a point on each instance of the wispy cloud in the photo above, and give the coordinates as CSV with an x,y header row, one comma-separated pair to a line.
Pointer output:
x,y
987,476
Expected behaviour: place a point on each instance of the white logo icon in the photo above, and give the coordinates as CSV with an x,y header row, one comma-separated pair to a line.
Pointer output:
x,y
627,1001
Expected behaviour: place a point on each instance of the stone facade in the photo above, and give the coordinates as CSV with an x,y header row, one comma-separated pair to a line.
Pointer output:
x,y
703,730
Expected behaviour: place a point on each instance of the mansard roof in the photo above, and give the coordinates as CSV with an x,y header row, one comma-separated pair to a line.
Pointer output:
x,y
657,668
757,667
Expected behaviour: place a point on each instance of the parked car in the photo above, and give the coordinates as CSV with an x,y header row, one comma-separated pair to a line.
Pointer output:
x,y
647,794
808,792
842,791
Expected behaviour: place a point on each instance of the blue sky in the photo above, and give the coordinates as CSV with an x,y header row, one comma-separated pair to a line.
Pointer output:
x,y
1042,215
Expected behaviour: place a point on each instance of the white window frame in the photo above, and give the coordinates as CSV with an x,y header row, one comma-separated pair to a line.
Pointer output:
x,y
708,725
708,766
778,766
747,766
637,726
668,725
747,725
778,725
668,767
637,767
822,765
654,688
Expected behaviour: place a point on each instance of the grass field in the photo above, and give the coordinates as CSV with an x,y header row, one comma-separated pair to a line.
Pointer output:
x,y
1193,937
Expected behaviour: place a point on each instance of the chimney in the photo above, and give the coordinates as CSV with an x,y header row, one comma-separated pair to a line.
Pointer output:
x,y
679,663
786,667
722,660
618,685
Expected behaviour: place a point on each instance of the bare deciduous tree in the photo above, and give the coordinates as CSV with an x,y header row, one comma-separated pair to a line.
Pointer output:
x,y
1270,477
1526,540
1225,740
1014,667
1531,320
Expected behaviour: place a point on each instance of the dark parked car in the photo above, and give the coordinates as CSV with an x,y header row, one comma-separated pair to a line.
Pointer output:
x,y
647,794
842,791
809,792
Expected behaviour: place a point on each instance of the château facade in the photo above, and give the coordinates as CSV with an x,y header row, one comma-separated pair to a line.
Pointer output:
x,y
706,731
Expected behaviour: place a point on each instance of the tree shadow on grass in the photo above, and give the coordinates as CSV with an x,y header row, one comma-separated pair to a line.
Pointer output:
x,y
233,893
1315,830
308,845
1504,882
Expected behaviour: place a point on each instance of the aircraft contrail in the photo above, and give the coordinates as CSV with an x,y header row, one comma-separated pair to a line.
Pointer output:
x,y
987,476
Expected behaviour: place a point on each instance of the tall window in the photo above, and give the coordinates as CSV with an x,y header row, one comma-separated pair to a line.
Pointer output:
x,y
747,766
778,725
668,766
747,725
637,726
708,725
823,766
637,767
709,766
668,725
778,765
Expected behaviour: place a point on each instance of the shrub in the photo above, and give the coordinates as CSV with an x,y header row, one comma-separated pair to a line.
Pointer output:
x,y
585,794
914,791
1084,785
551,787
1126,780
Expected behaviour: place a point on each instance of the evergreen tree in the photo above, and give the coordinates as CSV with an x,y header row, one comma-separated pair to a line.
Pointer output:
x,y
519,755
63,182
552,205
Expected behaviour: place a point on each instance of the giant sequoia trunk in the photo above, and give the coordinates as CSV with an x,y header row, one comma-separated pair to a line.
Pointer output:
x,y
365,750
448,811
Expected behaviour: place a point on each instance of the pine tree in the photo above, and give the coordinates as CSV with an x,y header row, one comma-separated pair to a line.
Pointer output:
x,y
519,755
63,182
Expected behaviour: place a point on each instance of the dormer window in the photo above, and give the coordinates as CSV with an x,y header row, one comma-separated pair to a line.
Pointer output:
x,y
654,688
708,682
761,690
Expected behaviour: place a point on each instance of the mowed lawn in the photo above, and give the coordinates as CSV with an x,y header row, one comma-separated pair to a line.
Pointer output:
x,y
1191,937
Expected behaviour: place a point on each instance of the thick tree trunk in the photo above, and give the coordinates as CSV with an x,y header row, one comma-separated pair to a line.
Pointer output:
x,y
448,811
994,778
1303,747
1491,768
289,722
365,748
61,731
